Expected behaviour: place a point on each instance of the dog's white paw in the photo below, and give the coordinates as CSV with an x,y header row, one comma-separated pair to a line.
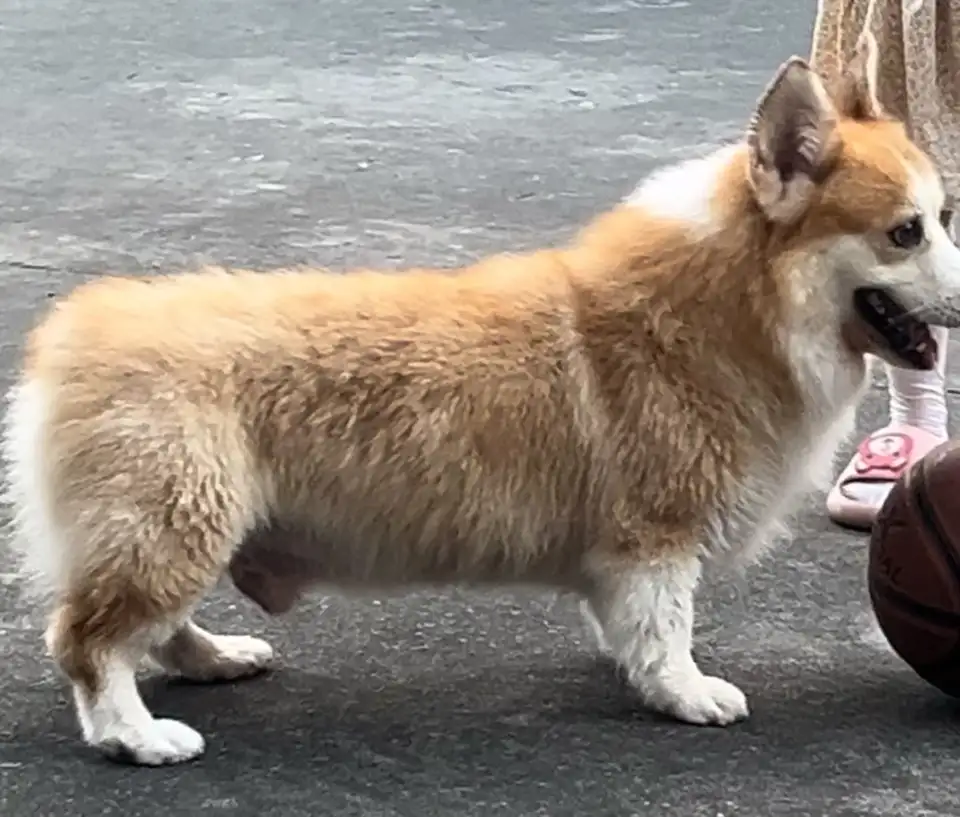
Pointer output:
x,y
163,742
699,699
240,656
226,658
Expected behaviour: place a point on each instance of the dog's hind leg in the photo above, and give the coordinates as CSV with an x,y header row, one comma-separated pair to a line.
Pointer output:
x,y
127,520
124,603
101,666
99,634
138,569
196,655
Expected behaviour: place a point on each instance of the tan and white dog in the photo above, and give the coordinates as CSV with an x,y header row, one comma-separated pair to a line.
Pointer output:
x,y
597,418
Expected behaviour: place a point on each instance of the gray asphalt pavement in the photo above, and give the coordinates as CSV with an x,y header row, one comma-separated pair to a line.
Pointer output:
x,y
145,135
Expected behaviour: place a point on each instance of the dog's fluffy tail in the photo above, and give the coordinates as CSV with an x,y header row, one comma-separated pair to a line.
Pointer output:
x,y
36,545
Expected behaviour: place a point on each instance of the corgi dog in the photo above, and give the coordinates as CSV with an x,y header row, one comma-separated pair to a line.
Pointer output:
x,y
599,418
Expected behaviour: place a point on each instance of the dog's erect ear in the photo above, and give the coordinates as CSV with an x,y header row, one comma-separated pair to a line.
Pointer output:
x,y
792,141
856,92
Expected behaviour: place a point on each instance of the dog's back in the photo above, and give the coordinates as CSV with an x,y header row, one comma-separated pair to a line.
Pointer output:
x,y
423,429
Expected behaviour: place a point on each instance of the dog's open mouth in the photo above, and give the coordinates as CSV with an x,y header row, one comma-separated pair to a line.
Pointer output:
x,y
891,326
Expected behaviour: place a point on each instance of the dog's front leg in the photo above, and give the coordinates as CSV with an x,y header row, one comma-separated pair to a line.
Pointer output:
x,y
644,611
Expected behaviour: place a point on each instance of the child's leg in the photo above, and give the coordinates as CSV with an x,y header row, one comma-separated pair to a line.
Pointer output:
x,y
920,398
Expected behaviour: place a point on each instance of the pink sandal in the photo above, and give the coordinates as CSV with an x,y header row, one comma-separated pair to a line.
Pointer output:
x,y
882,457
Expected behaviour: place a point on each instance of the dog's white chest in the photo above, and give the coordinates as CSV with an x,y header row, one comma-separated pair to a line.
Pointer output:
x,y
755,513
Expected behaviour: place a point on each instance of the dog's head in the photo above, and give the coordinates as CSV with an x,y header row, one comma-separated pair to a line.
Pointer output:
x,y
845,185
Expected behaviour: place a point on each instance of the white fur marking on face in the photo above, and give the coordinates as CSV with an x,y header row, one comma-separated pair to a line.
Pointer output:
x,y
939,266
683,191
646,622
118,722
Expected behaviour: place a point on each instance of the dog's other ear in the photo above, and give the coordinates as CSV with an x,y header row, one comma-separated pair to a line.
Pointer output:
x,y
792,141
856,93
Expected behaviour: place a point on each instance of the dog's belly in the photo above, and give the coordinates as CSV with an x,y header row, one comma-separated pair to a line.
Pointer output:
x,y
276,565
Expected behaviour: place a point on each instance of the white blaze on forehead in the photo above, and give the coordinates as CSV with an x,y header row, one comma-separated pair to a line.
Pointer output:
x,y
684,191
938,270
926,190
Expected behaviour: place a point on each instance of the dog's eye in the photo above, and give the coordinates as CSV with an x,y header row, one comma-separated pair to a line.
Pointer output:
x,y
907,236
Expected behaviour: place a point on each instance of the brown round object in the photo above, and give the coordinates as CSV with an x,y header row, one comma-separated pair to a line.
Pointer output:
x,y
914,568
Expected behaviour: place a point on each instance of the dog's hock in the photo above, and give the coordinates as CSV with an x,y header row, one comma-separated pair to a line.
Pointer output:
x,y
791,140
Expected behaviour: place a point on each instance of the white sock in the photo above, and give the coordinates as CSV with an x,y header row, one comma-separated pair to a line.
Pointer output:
x,y
919,399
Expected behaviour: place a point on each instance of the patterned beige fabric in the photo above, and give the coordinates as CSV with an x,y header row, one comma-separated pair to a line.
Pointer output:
x,y
919,66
